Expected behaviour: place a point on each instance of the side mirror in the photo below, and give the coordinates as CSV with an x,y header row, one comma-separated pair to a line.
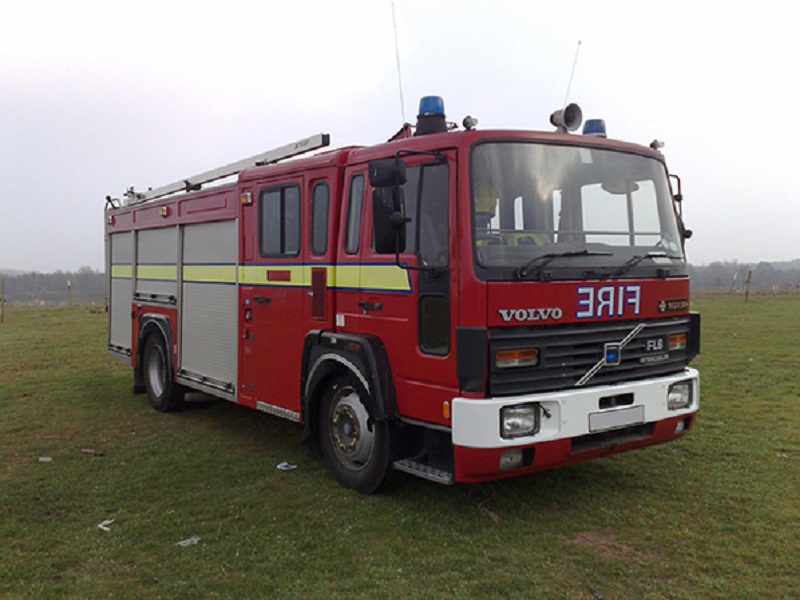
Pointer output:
x,y
387,173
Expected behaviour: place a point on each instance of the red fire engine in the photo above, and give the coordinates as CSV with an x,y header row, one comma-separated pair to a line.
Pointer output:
x,y
458,304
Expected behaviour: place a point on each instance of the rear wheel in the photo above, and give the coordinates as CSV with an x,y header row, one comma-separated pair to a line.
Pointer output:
x,y
355,446
162,392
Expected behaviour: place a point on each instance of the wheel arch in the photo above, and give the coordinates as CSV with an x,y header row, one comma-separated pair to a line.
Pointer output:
x,y
327,355
151,324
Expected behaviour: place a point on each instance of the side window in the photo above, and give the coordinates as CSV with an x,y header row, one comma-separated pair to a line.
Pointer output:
x,y
279,221
434,324
432,239
433,215
411,193
354,209
425,194
320,201
410,202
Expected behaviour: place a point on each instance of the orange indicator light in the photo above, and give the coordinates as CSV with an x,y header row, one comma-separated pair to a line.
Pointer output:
x,y
522,357
677,341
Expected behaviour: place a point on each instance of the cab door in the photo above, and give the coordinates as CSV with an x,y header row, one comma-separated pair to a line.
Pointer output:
x,y
410,307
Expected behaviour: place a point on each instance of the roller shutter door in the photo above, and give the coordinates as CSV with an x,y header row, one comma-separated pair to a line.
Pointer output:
x,y
210,303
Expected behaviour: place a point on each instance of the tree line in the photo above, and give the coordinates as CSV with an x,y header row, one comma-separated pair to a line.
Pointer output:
x,y
89,285
733,276
84,285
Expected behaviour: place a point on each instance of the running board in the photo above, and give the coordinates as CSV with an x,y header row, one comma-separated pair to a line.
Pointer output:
x,y
425,471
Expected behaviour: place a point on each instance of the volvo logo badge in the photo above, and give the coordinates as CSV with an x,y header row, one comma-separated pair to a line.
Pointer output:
x,y
523,315
612,354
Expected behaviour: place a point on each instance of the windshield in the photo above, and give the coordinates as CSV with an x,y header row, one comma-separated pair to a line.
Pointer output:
x,y
563,208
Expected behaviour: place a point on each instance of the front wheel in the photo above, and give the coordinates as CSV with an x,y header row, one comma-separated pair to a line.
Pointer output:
x,y
355,446
162,392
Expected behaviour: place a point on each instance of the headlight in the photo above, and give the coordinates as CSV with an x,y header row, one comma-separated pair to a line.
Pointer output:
x,y
519,420
679,395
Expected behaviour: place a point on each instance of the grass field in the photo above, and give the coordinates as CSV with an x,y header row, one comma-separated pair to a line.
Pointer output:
x,y
715,515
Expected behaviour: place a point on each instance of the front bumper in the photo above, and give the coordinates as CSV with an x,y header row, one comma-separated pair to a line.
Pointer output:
x,y
575,425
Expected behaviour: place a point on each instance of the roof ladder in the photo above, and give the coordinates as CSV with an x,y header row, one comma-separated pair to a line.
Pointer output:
x,y
195,183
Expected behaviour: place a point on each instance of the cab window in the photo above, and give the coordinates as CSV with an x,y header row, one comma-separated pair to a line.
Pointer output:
x,y
279,221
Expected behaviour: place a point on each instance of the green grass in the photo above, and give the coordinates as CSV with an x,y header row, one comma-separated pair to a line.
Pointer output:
x,y
715,515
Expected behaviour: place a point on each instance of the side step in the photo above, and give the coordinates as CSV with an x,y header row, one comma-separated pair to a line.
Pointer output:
x,y
425,471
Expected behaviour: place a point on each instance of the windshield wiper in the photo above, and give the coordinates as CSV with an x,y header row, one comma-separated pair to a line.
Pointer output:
x,y
635,260
544,259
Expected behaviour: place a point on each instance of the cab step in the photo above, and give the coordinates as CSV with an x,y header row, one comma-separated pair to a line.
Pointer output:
x,y
425,471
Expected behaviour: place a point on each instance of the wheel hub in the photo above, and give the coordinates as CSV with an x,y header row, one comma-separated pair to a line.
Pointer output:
x,y
353,438
346,430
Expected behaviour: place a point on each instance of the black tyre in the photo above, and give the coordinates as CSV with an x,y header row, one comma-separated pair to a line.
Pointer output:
x,y
162,392
355,446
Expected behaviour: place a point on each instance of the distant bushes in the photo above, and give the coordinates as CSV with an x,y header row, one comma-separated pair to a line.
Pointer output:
x,y
733,275
85,285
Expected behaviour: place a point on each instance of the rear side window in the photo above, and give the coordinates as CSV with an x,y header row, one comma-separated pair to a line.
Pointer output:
x,y
279,221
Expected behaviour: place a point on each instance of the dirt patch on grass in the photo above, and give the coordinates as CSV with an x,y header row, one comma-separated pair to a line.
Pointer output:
x,y
609,547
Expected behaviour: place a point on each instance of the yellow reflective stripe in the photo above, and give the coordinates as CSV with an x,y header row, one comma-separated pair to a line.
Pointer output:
x,y
209,273
157,272
368,277
389,277
121,271
345,276
299,275
372,277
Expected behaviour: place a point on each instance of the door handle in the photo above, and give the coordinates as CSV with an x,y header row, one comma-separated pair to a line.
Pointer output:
x,y
262,299
366,305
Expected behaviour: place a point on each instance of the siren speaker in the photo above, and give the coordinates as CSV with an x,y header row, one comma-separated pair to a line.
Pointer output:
x,y
568,118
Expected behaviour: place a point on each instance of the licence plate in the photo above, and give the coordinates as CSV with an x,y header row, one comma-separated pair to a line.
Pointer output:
x,y
616,419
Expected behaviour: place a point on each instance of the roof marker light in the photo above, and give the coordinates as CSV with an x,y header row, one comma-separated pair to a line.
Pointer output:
x,y
595,127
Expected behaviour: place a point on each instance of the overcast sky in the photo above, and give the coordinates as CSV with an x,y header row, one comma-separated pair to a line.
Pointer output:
x,y
96,97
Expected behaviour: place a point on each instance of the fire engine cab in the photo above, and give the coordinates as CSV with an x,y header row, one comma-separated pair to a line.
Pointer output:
x,y
458,304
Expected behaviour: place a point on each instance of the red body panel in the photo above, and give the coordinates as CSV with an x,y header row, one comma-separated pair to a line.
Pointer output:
x,y
200,207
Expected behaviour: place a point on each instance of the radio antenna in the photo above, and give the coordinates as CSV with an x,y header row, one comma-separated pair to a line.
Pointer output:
x,y
399,76
572,74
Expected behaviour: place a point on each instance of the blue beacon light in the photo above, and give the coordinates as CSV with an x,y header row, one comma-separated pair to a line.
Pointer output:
x,y
431,105
431,117
595,127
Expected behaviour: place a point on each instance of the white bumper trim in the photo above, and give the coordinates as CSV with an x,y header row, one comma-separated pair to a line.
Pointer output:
x,y
476,421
